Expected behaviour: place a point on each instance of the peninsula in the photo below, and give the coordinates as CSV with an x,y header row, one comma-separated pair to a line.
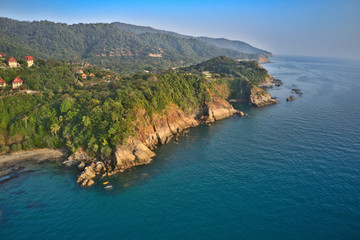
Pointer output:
x,y
107,94
110,123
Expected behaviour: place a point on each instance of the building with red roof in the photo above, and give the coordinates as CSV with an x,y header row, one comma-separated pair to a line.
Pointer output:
x,y
29,61
2,55
2,82
12,62
17,83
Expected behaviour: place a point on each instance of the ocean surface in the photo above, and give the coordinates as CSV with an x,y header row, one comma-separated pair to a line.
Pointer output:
x,y
288,171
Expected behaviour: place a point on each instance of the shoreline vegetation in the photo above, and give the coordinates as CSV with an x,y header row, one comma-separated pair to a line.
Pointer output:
x,y
109,127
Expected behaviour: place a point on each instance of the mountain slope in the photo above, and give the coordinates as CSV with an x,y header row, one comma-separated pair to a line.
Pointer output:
x,y
234,45
125,50
218,42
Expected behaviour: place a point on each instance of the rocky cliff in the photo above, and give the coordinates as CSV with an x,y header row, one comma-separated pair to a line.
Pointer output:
x,y
149,133
259,97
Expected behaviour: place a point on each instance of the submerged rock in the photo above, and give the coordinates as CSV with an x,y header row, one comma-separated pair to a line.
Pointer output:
x,y
291,98
297,91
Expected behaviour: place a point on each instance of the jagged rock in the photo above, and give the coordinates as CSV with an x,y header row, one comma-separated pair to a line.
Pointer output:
x,y
86,175
259,97
99,167
167,139
70,163
277,82
241,114
81,166
297,91
133,154
90,182
217,109
79,156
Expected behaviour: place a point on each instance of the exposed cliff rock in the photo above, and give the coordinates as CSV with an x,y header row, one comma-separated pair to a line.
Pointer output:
x,y
259,97
218,108
134,153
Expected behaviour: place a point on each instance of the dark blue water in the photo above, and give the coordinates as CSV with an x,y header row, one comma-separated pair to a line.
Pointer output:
x,y
289,171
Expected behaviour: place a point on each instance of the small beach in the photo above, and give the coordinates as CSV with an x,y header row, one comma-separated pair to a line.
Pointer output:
x,y
33,156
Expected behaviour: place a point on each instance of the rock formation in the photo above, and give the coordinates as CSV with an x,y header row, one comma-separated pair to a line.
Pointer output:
x,y
291,98
259,97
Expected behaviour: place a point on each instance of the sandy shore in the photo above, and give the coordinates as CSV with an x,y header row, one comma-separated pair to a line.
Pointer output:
x,y
32,156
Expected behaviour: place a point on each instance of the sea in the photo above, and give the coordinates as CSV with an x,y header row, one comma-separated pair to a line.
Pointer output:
x,y
287,171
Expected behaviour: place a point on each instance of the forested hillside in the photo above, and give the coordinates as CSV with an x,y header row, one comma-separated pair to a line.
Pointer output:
x,y
239,76
218,42
106,45
100,117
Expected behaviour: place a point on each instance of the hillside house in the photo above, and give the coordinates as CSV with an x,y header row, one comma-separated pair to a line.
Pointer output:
x,y
12,62
17,83
29,61
83,76
2,83
91,75
2,56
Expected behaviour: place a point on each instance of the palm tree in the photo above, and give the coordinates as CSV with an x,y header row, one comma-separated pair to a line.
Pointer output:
x,y
25,119
54,129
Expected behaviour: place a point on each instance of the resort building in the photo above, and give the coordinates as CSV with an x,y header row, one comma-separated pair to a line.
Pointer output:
x,y
2,56
83,76
91,75
2,82
17,83
12,62
29,61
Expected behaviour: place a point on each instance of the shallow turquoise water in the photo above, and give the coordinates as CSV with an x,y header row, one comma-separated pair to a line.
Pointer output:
x,y
289,171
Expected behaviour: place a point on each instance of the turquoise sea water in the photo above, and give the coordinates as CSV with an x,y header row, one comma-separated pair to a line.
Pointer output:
x,y
288,171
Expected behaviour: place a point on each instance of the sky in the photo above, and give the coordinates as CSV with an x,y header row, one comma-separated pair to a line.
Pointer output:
x,y
290,27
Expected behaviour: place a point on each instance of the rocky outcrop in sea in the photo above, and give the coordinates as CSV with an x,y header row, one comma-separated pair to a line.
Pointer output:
x,y
259,97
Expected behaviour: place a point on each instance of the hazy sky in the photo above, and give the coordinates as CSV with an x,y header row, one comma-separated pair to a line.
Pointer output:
x,y
302,27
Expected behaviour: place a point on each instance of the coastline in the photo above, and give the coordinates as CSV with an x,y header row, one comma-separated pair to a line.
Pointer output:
x,y
149,133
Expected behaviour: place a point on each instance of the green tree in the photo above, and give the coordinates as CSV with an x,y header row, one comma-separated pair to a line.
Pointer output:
x,y
25,119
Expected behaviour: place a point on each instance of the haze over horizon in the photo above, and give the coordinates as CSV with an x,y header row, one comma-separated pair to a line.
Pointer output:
x,y
311,28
